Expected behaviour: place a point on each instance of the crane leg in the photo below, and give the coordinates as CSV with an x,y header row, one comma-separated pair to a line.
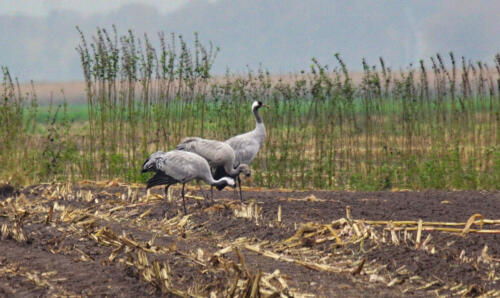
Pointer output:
x,y
235,191
183,199
239,184
212,193
166,198
165,192
203,193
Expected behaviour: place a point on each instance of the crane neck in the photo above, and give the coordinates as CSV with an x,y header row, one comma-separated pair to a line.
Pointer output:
x,y
234,171
260,130
222,181
257,116
259,125
230,170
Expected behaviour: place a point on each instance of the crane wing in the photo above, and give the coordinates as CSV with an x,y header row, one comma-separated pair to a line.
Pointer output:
x,y
182,167
215,152
245,149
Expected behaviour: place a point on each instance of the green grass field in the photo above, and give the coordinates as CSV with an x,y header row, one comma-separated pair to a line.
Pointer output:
x,y
74,113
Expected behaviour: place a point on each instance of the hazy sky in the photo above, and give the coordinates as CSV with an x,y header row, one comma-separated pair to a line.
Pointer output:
x,y
86,7
38,38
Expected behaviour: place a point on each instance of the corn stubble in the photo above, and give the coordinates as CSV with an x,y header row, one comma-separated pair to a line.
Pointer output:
x,y
416,128
94,218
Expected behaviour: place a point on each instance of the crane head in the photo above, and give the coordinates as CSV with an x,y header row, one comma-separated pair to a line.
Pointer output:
x,y
245,169
258,104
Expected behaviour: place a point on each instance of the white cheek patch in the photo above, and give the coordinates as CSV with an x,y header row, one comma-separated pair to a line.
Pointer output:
x,y
255,104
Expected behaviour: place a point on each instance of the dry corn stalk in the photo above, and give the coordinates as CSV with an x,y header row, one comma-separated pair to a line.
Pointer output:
x,y
428,223
280,257
450,230
471,221
419,234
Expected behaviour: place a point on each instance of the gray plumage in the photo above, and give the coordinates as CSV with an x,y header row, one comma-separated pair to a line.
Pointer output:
x,y
180,167
218,154
247,145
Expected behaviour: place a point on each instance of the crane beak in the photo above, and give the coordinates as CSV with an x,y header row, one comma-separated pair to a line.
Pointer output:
x,y
267,106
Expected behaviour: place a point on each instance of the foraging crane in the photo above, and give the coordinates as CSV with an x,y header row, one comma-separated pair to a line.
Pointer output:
x,y
180,167
246,146
218,154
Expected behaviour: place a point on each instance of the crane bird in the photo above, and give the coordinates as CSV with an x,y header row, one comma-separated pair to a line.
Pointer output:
x,y
218,154
180,167
245,146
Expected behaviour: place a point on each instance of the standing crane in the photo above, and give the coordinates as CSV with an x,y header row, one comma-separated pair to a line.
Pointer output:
x,y
180,167
245,146
218,154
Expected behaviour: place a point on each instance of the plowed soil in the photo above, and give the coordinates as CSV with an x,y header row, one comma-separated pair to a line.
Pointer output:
x,y
113,239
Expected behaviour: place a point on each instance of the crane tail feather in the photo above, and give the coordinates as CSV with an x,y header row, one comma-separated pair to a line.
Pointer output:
x,y
219,173
160,179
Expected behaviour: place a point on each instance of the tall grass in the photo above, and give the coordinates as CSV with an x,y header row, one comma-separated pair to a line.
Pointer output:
x,y
134,93
433,125
31,151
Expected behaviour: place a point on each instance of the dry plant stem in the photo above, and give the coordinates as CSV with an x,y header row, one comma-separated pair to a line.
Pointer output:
x,y
427,223
451,230
255,285
419,234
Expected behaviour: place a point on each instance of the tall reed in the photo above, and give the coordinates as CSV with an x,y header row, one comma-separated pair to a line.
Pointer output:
x,y
432,125
133,92
386,129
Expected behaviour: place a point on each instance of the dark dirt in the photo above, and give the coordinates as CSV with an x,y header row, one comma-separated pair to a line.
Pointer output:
x,y
88,240
6,190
